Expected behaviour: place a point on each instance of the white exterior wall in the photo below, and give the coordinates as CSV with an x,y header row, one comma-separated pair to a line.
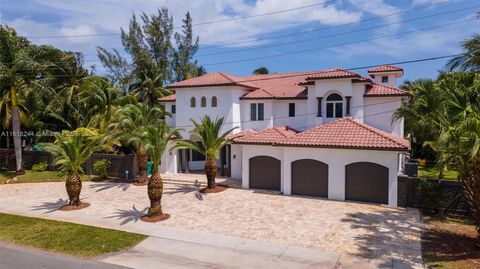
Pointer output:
x,y
280,114
379,114
323,88
168,162
336,159
228,106
392,77
236,161
267,121
170,120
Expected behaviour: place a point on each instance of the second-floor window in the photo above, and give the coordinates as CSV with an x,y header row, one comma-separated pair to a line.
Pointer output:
x,y
384,79
291,109
214,101
192,102
334,106
256,111
203,101
174,109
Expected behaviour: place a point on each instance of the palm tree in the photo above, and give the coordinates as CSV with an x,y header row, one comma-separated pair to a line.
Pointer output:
x,y
154,139
129,118
459,139
70,151
17,69
211,141
470,58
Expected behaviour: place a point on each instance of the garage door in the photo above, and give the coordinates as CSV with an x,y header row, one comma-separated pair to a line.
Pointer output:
x,y
366,182
265,173
310,177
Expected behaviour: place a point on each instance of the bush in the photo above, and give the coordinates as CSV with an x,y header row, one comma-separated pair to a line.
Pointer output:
x,y
40,167
102,167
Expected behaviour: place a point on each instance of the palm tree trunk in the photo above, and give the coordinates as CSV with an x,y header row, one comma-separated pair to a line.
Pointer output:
x,y
471,185
211,172
17,139
155,191
74,187
142,159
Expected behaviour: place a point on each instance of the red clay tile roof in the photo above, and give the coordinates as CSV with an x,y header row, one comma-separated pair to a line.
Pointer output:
x,y
333,73
385,68
170,98
346,133
242,133
212,79
376,90
266,136
281,86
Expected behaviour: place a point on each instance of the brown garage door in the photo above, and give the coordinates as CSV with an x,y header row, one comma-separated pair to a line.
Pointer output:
x,y
310,177
366,182
265,173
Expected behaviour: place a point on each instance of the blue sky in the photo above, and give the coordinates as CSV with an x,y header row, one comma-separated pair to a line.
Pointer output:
x,y
375,29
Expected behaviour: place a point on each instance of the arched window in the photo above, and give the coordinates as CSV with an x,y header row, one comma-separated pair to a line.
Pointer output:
x,y
203,101
193,102
214,101
334,106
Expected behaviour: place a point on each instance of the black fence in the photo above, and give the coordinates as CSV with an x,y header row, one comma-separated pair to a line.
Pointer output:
x,y
432,195
120,164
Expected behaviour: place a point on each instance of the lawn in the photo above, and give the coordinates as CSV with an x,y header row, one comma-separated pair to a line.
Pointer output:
x,y
449,243
432,172
34,177
63,237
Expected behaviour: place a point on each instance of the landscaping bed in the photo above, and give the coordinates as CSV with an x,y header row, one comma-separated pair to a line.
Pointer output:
x,y
66,238
450,243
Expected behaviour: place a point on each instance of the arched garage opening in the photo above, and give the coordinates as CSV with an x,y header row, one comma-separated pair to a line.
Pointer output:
x,y
265,173
366,182
310,177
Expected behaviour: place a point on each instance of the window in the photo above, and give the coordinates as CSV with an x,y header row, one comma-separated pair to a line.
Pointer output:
x,y
256,111
334,106
203,101
192,102
319,106
253,111
174,109
291,109
384,79
214,101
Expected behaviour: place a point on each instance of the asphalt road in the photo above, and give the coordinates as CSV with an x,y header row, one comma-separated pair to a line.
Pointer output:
x,y
15,257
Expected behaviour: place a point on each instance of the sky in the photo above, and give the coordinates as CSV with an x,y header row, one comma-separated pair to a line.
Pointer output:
x,y
300,35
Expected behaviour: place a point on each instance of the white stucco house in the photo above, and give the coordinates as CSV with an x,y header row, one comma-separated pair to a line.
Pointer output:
x,y
324,133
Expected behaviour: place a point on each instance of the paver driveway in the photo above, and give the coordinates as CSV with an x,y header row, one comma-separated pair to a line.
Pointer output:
x,y
363,230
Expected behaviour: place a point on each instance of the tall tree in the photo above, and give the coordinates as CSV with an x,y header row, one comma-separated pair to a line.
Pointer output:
x,y
17,69
261,71
469,59
184,65
155,60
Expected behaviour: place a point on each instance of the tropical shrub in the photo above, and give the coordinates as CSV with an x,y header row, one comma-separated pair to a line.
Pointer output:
x,y
40,167
102,167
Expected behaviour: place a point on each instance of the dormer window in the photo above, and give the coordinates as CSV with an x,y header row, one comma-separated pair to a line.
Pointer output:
x,y
384,79
193,102
334,106
203,101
